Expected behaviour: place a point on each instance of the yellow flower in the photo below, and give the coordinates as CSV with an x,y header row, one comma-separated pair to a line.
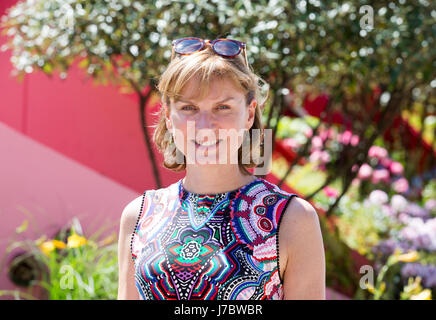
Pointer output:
x,y
423,295
408,257
75,241
46,247
59,244
370,287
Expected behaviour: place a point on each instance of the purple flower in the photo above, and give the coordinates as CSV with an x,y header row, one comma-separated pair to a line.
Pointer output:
x,y
420,234
416,211
385,248
416,269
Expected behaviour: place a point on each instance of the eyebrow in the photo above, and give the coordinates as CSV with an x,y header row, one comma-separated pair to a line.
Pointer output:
x,y
224,100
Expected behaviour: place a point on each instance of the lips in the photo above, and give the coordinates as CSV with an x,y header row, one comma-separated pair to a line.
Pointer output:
x,y
206,144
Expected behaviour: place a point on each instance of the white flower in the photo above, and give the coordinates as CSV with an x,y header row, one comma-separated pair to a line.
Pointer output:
x,y
398,203
378,197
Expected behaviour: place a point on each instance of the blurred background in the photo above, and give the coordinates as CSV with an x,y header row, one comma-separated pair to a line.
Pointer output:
x,y
352,108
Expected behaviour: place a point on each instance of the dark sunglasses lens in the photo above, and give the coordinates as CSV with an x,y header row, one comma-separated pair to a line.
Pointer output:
x,y
226,48
188,46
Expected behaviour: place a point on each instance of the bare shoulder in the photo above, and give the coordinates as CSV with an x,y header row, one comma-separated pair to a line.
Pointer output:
x,y
304,276
300,219
130,214
301,209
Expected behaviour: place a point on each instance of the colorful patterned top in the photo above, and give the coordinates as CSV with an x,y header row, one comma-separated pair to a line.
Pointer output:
x,y
225,247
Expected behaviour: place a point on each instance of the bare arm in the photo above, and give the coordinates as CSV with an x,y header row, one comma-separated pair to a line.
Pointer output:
x,y
126,281
303,248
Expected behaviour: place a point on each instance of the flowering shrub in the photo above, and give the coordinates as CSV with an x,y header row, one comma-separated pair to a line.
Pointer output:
x,y
376,216
72,267
380,171
380,228
411,291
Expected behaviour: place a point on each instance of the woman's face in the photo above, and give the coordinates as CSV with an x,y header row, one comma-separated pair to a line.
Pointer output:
x,y
210,131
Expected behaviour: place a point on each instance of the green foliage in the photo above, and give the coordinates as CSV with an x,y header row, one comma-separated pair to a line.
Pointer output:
x,y
78,268
312,42
363,225
340,272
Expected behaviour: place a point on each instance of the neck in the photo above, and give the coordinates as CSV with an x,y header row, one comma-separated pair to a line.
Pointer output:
x,y
212,179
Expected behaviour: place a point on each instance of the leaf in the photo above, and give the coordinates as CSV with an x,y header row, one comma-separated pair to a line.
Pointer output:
x,y
48,68
22,227
84,63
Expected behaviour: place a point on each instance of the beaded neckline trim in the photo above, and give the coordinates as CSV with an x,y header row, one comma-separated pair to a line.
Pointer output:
x,y
202,207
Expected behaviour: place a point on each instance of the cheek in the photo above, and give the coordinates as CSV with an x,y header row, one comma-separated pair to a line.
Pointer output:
x,y
179,132
236,120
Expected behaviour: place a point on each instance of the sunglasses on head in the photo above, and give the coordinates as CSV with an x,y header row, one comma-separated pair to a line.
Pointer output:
x,y
228,48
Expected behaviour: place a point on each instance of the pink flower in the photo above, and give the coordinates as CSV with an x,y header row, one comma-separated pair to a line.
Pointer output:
x,y
290,143
377,152
331,192
324,135
345,138
380,175
365,171
386,162
401,185
355,182
331,133
325,156
396,168
308,132
354,140
317,142
315,156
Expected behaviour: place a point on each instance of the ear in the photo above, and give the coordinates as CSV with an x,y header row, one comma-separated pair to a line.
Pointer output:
x,y
251,113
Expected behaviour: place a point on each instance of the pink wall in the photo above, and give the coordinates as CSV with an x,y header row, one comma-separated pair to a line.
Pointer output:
x,y
47,188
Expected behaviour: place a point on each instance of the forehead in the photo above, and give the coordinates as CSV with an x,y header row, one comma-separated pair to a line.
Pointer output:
x,y
217,89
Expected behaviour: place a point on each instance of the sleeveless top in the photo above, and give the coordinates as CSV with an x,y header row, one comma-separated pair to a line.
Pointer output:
x,y
224,248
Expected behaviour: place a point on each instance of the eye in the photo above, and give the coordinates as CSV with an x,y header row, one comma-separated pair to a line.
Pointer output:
x,y
187,108
224,107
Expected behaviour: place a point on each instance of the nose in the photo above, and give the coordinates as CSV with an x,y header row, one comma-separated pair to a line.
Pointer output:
x,y
205,120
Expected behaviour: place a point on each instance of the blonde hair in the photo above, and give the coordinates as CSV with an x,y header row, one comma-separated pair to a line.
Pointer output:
x,y
206,65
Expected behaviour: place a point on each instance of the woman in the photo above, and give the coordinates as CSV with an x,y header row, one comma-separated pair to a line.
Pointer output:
x,y
220,232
